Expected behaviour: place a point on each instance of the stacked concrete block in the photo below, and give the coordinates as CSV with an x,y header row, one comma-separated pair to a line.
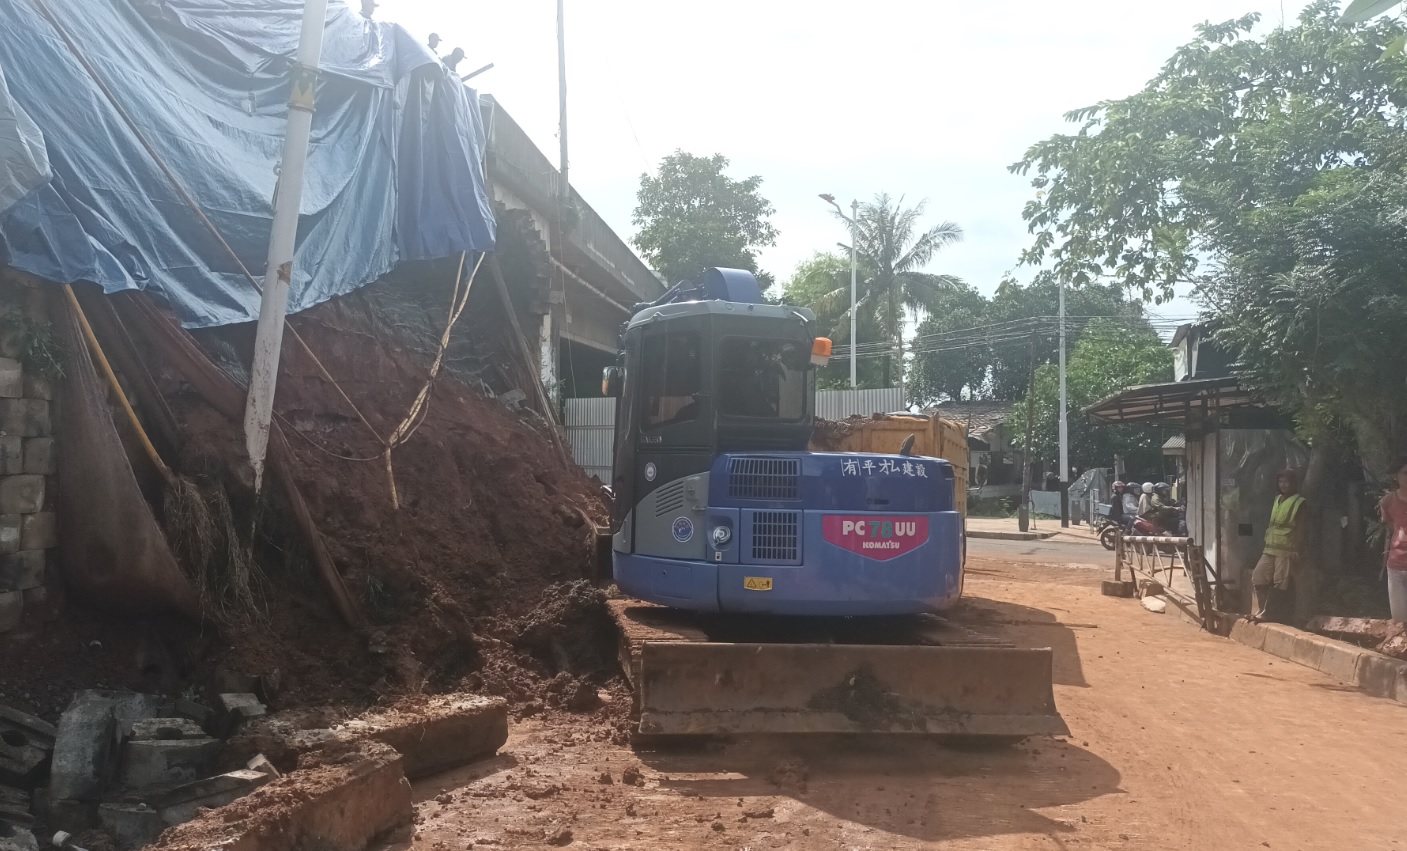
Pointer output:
x,y
28,466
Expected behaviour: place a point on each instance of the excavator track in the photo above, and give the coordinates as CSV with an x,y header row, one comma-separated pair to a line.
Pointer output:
x,y
693,674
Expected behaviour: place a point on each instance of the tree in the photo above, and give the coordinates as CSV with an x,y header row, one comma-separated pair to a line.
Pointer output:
x,y
948,357
690,216
1153,183
1265,172
1314,300
1018,311
893,283
1108,357
821,274
983,346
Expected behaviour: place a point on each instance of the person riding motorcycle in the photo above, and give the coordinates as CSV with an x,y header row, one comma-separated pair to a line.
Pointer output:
x,y
1163,511
1145,500
1130,497
1116,505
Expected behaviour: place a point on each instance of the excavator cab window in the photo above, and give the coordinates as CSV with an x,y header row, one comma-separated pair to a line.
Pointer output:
x,y
761,378
673,379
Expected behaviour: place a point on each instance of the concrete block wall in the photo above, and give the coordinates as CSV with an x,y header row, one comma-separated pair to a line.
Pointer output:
x,y
28,484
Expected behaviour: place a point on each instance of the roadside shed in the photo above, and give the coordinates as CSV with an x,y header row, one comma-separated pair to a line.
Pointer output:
x,y
1234,444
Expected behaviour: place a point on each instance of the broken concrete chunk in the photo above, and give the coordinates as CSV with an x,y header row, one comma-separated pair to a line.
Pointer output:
x,y
83,748
14,807
161,763
13,838
181,804
1156,605
197,712
132,825
360,794
262,765
165,729
442,734
25,743
237,708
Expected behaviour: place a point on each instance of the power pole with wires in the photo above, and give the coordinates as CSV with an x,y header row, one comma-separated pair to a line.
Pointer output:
x,y
1023,514
565,190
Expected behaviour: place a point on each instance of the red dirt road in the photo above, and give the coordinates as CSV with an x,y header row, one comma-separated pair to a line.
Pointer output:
x,y
1180,740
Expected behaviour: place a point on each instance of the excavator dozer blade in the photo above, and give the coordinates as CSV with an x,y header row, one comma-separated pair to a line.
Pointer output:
x,y
715,688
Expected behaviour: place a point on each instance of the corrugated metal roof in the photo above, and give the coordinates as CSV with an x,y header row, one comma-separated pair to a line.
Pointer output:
x,y
979,417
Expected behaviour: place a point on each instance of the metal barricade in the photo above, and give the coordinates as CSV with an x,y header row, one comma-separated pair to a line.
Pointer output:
x,y
1159,558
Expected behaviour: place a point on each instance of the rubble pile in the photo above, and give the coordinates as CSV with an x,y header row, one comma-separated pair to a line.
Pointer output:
x,y
119,768
467,579
1385,636
122,768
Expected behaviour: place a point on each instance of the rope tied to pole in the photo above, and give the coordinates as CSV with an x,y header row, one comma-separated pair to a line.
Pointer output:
x,y
419,408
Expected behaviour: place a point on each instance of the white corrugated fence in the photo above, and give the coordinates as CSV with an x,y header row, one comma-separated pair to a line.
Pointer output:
x,y
839,404
591,429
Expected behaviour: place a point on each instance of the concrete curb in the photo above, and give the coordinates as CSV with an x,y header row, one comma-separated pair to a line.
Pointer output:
x,y
1010,536
1378,675
347,798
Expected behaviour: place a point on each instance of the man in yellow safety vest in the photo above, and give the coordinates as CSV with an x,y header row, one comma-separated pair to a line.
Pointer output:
x,y
1284,545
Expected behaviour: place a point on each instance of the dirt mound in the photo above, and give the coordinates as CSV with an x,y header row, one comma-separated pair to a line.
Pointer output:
x,y
468,583
830,435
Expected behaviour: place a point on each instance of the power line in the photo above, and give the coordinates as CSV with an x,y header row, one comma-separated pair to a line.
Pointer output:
x,y
1002,333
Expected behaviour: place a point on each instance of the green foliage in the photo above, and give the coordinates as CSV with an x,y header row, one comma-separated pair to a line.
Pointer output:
x,y
1314,299
1268,172
994,361
690,216
39,345
891,285
946,373
815,278
1108,358
1152,184
1011,361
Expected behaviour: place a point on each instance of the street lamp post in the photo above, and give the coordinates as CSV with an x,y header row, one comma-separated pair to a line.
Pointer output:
x,y
854,234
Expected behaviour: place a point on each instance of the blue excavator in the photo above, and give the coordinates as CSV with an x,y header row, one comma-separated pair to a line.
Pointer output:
x,y
782,590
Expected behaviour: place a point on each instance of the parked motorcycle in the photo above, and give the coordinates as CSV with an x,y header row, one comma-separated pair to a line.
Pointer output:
x,y
1106,528
1146,526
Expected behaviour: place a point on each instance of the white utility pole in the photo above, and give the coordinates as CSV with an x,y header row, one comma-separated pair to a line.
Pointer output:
x,y
1064,424
853,219
278,271
565,190
854,238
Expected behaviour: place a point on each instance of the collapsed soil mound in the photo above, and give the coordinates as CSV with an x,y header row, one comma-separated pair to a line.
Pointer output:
x,y
830,435
469,583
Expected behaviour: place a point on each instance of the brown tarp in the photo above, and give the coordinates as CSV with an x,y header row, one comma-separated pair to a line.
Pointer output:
x,y
113,550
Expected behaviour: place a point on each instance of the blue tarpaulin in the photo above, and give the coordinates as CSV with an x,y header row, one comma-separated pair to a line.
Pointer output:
x,y
394,167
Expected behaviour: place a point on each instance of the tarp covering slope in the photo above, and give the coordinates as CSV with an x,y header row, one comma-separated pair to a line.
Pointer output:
x,y
23,164
393,171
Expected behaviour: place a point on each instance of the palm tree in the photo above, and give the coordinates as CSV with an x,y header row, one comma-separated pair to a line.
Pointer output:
x,y
891,284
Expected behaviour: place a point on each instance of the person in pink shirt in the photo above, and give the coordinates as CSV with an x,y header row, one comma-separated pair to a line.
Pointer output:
x,y
1394,513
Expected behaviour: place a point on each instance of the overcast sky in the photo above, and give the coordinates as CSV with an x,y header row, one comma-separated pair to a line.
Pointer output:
x,y
930,100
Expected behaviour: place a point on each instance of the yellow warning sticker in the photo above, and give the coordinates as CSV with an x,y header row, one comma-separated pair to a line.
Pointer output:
x,y
757,583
